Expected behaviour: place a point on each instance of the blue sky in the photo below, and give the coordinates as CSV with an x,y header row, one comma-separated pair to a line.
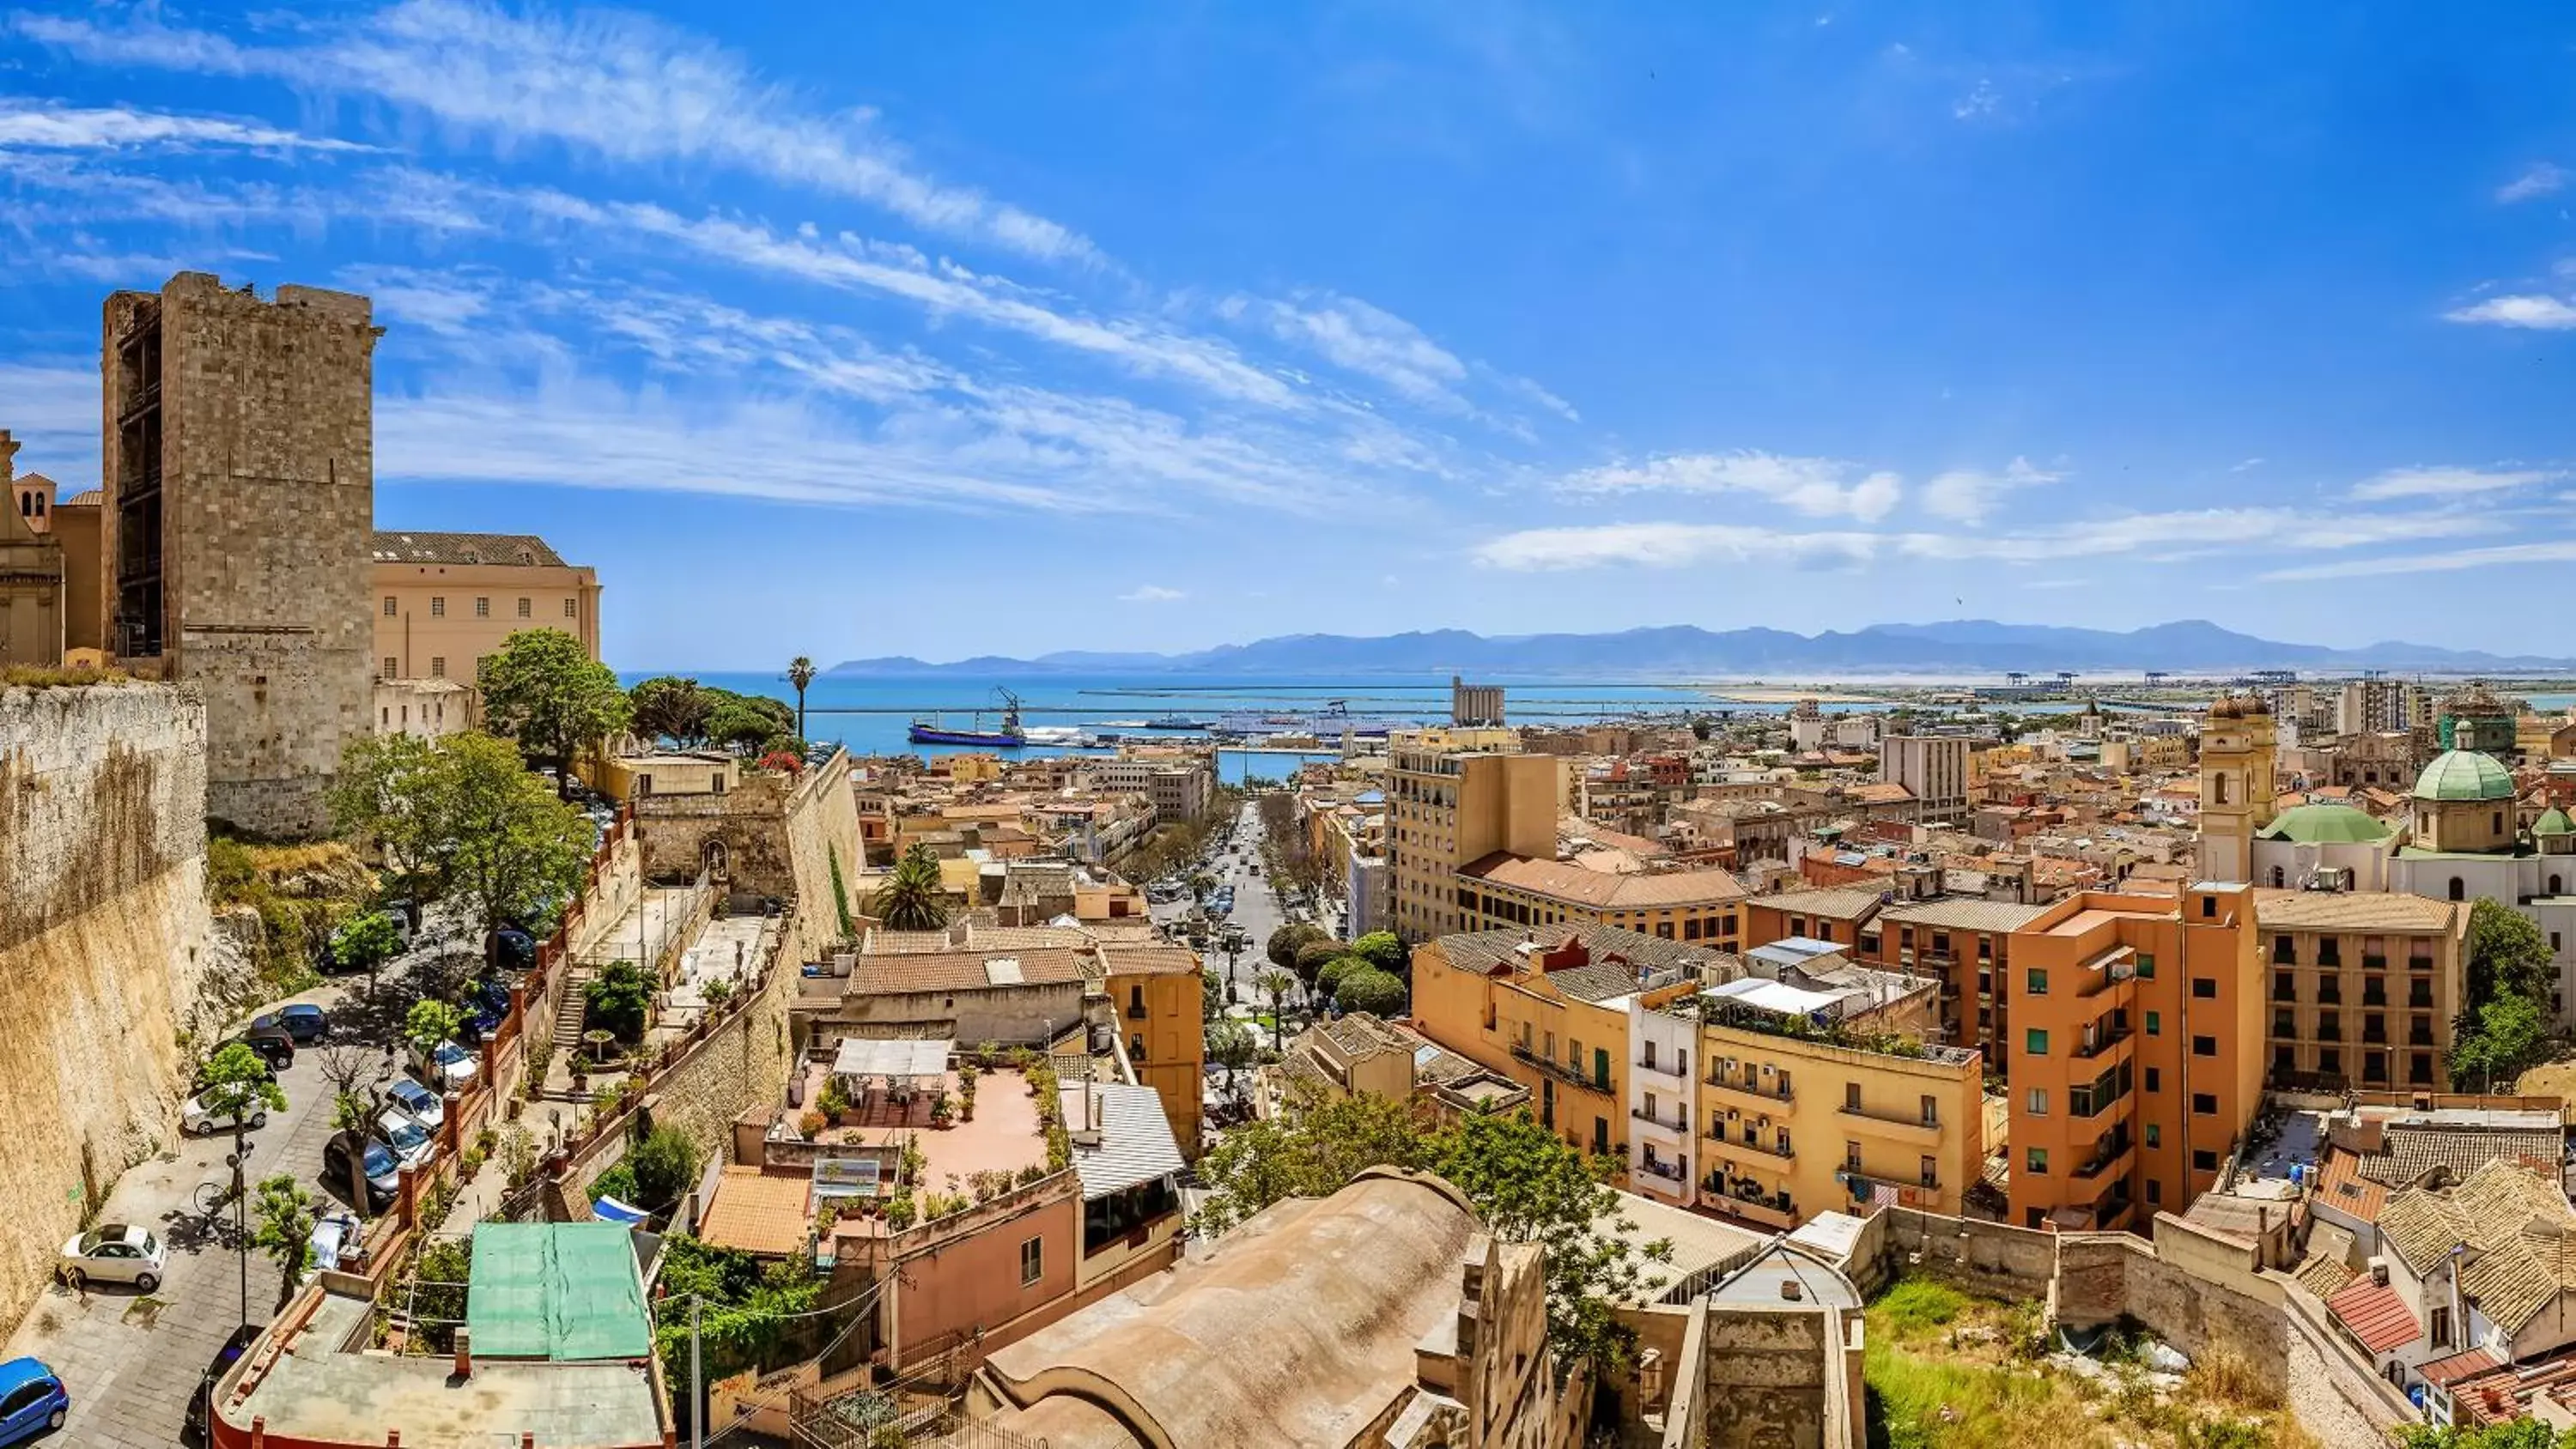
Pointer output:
x,y
858,329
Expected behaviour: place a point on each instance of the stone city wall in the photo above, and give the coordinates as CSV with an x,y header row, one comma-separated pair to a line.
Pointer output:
x,y
105,942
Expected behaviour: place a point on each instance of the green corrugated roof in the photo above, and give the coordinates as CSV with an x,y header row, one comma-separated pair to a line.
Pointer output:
x,y
569,1292
2325,823
2464,775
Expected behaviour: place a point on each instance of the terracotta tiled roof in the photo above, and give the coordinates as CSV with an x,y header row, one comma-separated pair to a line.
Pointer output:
x,y
2327,1268
2342,1187
2351,911
1603,890
757,1213
2448,1371
2460,1148
2517,1222
1832,904
523,549
1150,960
2376,1315
1484,950
1961,914
878,975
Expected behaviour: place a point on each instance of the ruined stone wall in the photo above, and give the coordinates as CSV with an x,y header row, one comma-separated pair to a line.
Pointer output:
x,y
1981,1257
822,825
105,940
773,835
268,469
743,1062
2107,1277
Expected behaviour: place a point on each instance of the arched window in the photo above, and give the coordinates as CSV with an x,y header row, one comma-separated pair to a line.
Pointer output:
x,y
2555,888
2218,788
2459,889
2277,878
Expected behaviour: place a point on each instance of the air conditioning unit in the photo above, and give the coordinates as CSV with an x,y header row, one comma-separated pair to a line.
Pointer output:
x,y
1725,1064
1730,1114
1764,1123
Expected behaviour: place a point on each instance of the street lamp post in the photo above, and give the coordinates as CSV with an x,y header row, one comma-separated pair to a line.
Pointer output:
x,y
241,1216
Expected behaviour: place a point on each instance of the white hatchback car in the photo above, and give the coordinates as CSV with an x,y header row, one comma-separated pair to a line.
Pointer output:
x,y
198,1120
114,1253
447,1065
416,1102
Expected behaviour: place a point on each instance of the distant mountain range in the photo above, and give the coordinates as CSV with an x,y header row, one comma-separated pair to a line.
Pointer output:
x,y
1685,651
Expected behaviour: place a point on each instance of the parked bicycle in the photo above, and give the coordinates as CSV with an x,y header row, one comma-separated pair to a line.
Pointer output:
x,y
213,1198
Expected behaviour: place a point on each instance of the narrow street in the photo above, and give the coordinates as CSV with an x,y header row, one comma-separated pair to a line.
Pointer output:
x,y
132,1360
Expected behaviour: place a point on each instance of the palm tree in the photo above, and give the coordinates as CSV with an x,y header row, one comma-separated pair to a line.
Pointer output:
x,y
1276,983
913,899
800,673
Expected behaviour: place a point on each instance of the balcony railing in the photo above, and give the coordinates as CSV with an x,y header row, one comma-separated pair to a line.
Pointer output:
x,y
1717,1136
1669,1172
1558,1070
2090,983
2373,963
1651,1120
2095,1044
1909,1126
1747,1089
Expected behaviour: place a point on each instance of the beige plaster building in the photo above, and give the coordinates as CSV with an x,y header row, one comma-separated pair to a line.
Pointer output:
x,y
1453,797
31,567
445,600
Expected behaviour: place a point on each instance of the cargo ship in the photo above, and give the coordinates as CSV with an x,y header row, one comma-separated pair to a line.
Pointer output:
x,y
1011,736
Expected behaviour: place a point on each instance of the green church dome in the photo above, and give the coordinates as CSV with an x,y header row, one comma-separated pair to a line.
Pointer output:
x,y
2464,775
2326,824
2553,821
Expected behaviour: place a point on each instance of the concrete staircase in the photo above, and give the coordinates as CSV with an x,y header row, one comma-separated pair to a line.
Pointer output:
x,y
568,1015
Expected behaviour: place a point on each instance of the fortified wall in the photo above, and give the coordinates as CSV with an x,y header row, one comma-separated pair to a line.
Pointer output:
x,y
105,942
773,835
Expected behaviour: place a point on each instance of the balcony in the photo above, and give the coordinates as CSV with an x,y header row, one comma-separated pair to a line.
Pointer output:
x,y
1907,1127
1914,1194
1778,1212
2097,1043
1664,1177
1746,1094
1677,1132
2421,1036
2373,963
1720,1142
2420,999
2090,981
1559,1070
1664,1076
2419,963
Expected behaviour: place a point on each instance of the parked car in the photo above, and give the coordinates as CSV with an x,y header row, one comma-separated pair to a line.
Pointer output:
x,y
33,1400
485,1002
513,948
417,1102
114,1253
199,1120
268,1066
199,1403
383,1173
412,1144
334,1234
446,1065
305,1023
266,1036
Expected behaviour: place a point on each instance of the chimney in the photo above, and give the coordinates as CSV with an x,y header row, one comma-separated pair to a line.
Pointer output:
x,y
2379,1271
464,1352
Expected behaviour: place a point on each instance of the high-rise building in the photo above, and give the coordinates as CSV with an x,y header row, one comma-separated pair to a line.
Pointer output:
x,y
1933,767
2236,785
1456,796
238,463
2138,1063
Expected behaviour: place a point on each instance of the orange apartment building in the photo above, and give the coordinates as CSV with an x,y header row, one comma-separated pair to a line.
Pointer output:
x,y
1455,796
2139,1052
1905,924
1548,1008
1156,1002
445,600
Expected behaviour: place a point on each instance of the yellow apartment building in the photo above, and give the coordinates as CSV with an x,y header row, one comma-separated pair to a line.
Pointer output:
x,y
1155,1000
1548,1008
1503,889
2138,1052
1742,1105
445,600
2362,987
1456,796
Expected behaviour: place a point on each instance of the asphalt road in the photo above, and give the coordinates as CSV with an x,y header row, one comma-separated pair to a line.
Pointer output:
x,y
1256,908
131,1361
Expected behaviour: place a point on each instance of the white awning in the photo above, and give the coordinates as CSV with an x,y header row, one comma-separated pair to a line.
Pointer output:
x,y
874,1057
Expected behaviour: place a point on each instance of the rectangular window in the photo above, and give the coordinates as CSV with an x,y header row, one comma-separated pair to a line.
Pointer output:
x,y
2204,1046
1851,1096
2204,1104
2155,1079
2204,1160
568,608
2034,1042
2038,979
1032,1261
389,606
482,608
2205,987
438,666
523,608
2155,1135
390,671
1930,1172
1931,1112
2442,1327
438,606
2155,1023
1851,1156
2037,1159
2038,1101
2146,966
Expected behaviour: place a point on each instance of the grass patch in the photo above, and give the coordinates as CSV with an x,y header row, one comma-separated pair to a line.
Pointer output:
x,y
54,676
1948,1370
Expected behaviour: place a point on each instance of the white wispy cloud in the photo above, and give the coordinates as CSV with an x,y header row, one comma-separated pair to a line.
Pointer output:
x,y
2161,537
1150,594
51,406
1817,487
29,125
2553,551
2541,178
622,87
1349,333
2448,482
2534,310
1969,495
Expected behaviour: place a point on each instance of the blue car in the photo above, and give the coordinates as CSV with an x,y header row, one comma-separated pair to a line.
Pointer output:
x,y
32,1401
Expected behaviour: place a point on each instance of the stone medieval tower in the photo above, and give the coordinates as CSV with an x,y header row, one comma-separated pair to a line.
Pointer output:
x,y
239,470
2236,786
